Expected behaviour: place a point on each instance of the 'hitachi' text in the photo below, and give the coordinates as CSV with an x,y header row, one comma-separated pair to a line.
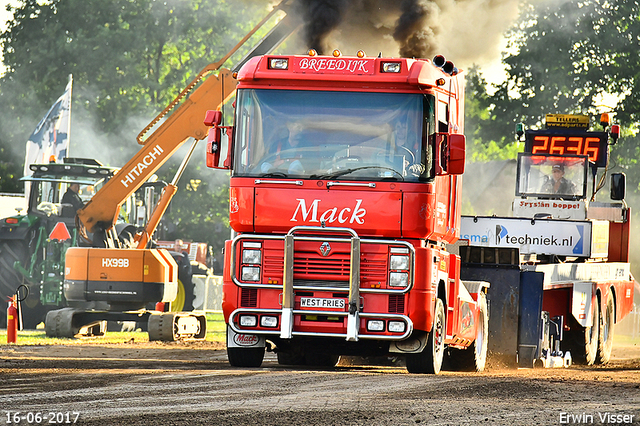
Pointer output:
x,y
147,160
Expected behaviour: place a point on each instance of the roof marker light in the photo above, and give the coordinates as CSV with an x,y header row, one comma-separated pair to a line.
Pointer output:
x,y
337,53
279,63
312,52
394,67
360,54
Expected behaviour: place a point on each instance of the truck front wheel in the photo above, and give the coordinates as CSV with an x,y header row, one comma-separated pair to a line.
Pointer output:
x,y
245,357
430,359
605,337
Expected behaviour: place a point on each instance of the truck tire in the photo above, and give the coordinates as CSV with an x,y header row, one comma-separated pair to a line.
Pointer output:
x,y
607,325
10,252
320,359
430,359
474,358
245,357
583,343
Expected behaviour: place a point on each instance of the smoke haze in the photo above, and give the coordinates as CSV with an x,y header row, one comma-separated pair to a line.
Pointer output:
x,y
467,31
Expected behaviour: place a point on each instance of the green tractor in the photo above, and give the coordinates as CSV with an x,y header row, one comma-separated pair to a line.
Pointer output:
x,y
33,245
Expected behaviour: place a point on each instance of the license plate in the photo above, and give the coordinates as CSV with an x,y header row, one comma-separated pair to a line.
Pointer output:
x,y
317,302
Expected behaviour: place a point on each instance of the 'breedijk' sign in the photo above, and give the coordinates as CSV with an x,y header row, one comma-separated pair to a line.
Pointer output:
x,y
333,66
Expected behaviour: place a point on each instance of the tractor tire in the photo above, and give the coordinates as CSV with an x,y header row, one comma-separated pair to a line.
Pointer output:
x,y
430,359
583,343
474,358
184,298
10,252
607,326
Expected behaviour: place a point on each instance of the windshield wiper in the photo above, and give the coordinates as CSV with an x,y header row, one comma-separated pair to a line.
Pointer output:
x,y
274,175
348,171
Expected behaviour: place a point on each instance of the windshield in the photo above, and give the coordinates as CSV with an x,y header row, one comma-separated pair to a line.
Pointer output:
x,y
549,176
48,192
330,135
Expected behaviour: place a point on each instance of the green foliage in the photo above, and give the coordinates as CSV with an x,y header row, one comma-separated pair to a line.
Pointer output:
x,y
129,59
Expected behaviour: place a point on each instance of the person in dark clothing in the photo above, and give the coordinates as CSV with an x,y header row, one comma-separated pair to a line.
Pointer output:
x,y
558,184
72,197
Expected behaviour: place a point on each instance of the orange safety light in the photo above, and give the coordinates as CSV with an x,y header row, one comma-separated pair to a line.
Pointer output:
x,y
337,53
60,232
312,52
360,54
604,120
52,158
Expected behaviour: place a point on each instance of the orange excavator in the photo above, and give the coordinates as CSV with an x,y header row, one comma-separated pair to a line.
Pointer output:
x,y
116,275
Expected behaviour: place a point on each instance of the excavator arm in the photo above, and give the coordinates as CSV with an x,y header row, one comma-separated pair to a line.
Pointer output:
x,y
186,121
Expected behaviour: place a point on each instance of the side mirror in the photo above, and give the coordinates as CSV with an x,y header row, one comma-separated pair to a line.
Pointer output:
x,y
618,186
457,153
215,140
450,154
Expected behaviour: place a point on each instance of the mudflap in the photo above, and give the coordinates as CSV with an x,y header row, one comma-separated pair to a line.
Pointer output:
x,y
174,326
236,340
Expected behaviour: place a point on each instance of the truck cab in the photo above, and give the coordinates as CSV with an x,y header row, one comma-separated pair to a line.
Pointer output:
x,y
344,193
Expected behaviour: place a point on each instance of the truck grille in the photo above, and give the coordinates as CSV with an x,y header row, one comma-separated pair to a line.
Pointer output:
x,y
312,270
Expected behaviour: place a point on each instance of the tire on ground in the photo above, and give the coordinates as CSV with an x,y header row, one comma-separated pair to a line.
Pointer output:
x,y
473,358
607,326
430,359
583,341
185,296
10,252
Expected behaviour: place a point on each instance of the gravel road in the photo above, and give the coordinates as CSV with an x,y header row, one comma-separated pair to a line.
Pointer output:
x,y
190,384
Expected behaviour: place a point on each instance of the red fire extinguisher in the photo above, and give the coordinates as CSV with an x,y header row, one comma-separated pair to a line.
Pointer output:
x,y
12,320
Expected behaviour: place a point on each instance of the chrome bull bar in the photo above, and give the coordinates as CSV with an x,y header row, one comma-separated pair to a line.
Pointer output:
x,y
406,319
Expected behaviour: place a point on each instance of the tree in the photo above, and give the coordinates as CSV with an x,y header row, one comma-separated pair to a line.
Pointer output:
x,y
129,59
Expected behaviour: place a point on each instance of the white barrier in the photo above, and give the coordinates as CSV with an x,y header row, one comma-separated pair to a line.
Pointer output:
x,y
208,293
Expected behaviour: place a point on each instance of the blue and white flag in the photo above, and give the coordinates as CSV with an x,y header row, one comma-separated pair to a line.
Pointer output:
x,y
51,136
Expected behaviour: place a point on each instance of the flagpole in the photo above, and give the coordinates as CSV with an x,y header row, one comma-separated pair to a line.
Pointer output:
x,y
69,122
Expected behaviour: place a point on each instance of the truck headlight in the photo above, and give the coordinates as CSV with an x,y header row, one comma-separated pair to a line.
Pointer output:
x,y
398,279
252,257
250,273
399,262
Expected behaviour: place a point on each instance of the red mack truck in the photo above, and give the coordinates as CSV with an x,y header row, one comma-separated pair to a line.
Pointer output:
x,y
344,200
559,267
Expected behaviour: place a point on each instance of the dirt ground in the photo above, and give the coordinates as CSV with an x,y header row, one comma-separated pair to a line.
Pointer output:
x,y
191,383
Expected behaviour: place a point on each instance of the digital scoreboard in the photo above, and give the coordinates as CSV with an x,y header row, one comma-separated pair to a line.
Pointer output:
x,y
568,142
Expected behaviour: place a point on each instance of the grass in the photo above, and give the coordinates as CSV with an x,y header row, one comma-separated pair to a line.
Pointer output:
x,y
216,329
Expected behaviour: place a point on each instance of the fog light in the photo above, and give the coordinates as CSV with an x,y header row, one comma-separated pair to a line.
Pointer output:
x,y
375,325
397,326
268,321
398,279
250,273
248,320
